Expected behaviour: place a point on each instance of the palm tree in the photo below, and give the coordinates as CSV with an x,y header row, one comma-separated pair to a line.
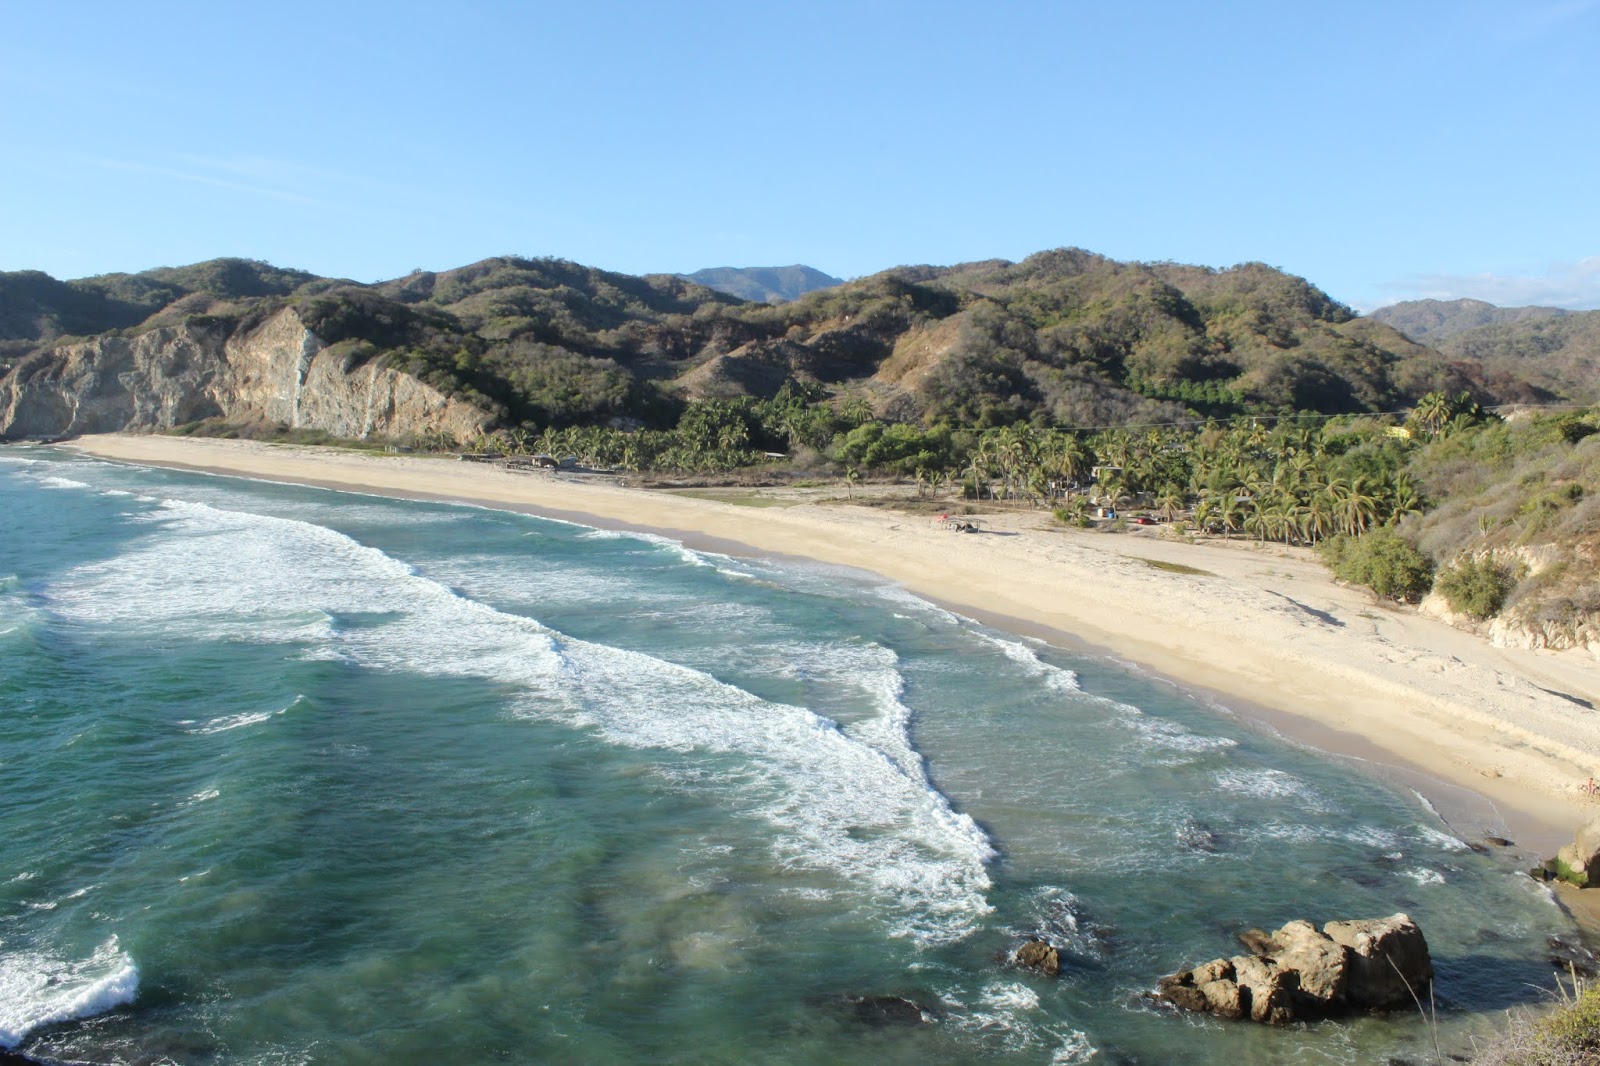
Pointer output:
x,y
1432,412
1170,503
1356,508
1404,499
1231,511
1318,520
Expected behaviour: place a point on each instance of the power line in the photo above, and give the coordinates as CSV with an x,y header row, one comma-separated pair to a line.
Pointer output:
x,y
1309,415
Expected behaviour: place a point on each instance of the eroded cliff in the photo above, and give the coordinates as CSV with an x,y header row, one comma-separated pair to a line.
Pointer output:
x,y
277,372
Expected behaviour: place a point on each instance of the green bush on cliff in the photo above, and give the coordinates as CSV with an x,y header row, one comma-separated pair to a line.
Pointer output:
x,y
1383,561
1476,587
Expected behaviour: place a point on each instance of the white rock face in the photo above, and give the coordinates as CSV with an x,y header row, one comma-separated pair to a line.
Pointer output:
x,y
279,372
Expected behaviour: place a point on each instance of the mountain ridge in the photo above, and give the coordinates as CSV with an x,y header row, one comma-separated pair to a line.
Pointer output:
x,y
1439,320
764,284
1554,349
1065,337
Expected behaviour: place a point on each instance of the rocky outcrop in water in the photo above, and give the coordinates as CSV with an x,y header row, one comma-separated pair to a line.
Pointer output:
x,y
1298,973
1038,955
276,373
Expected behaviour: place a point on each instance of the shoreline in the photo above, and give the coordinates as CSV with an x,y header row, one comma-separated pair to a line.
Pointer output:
x,y
1479,732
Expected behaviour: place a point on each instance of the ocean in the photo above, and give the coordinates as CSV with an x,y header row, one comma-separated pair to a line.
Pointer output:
x,y
299,776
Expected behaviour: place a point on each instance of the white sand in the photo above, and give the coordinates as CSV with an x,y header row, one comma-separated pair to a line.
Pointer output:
x,y
1265,630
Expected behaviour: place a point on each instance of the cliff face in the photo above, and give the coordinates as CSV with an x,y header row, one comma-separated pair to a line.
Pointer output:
x,y
279,372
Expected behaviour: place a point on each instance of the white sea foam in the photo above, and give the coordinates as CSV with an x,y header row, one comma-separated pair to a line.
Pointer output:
x,y
1376,837
857,803
232,721
1422,875
1267,783
39,990
920,609
1162,733
53,482
1009,1014
1055,677
1443,841
1057,916
654,540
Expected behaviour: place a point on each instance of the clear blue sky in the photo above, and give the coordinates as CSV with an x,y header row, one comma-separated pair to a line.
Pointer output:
x,y
1383,150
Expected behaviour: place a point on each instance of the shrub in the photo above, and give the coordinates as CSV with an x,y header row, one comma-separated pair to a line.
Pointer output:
x,y
1476,587
1381,560
1567,1036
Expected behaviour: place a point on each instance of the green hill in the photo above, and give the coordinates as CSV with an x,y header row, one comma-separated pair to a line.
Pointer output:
x,y
1064,337
1439,320
1554,350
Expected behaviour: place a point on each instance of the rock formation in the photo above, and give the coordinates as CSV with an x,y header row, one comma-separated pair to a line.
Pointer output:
x,y
1039,955
1579,862
1298,973
277,372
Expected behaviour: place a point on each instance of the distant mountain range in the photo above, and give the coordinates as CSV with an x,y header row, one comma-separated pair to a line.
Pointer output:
x,y
1438,320
1555,349
764,284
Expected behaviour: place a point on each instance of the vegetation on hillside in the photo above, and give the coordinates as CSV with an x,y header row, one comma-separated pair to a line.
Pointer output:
x,y
1062,339
1554,351
1438,320
1567,1035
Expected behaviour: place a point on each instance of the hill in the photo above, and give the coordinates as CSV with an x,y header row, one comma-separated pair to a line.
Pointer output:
x,y
1559,354
1439,320
1553,350
1065,338
764,284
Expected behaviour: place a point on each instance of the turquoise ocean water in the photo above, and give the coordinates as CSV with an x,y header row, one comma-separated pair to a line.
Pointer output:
x,y
292,775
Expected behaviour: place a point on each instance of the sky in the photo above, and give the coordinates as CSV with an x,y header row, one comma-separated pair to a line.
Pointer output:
x,y
1385,151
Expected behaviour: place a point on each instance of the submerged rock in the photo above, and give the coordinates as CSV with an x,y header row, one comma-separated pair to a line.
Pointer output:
x,y
880,1011
1198,837
1299,973
1571,956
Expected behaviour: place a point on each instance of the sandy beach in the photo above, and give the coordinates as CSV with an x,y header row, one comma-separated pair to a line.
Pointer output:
x,y
1263,630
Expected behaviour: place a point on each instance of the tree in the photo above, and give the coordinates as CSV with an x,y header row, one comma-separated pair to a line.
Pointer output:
x,y
1432,412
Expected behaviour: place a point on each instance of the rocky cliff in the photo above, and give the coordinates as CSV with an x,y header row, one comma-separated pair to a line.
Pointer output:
x,y
277,372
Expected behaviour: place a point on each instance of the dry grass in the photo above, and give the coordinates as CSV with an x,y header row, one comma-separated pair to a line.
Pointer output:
x,y
1568,1035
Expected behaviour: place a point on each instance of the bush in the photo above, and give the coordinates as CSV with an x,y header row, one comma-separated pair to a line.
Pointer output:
x,y
1476,587
1567,1036
1381,560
